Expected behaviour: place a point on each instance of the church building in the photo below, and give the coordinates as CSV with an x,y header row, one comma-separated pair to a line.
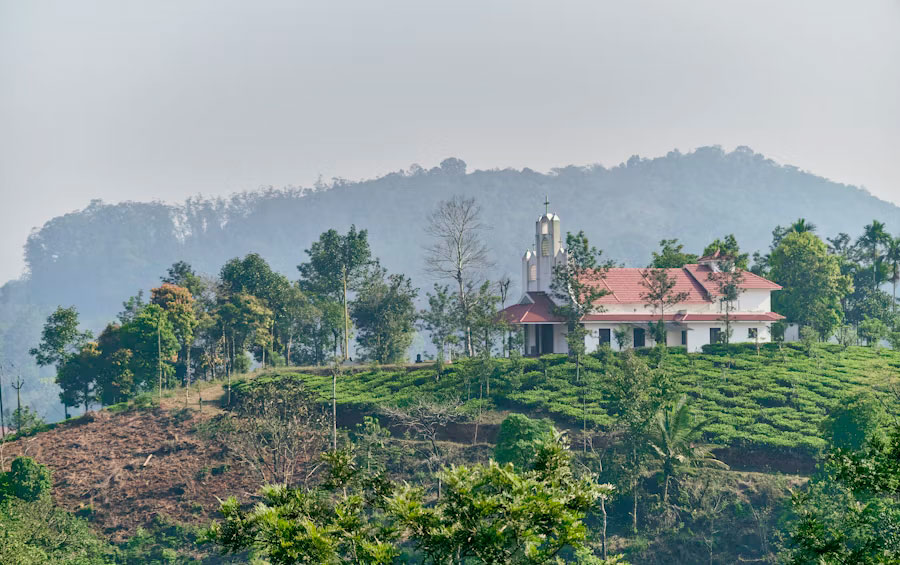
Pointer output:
x,y
692,323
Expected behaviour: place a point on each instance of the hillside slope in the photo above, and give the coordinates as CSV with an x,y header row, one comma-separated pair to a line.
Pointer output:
x,y
97,257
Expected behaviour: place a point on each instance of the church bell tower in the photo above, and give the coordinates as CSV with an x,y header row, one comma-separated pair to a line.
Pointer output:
x,y
538,262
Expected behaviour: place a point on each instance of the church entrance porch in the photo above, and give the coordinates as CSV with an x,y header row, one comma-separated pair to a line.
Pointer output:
x,y
541,339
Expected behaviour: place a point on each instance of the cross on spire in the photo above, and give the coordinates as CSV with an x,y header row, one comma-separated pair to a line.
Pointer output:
x,y
546,205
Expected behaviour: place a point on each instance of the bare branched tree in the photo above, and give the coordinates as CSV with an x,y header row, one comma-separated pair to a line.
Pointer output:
x,y
426,418
275,427
458,252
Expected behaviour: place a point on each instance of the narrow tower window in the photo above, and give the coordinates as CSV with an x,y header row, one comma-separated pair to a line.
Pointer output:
x,y
545,246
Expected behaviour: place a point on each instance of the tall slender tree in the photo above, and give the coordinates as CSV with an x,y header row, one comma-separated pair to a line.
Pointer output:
x,y
337,265
892,256
576,288
458,253
873,240
659,293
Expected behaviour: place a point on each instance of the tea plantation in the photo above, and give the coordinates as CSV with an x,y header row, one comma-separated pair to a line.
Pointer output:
x,y
772,398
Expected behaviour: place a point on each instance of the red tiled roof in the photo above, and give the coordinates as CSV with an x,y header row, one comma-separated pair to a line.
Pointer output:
x,y
750,317
539,311
624,284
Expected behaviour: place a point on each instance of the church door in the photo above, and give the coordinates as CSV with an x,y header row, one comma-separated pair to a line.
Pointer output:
x,y
546,339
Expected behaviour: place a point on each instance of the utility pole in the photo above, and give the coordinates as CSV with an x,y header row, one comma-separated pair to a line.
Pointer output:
x,y
159,356
18,386
2,417
346,317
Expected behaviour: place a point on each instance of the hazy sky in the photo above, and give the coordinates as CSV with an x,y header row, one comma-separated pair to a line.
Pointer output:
x,y
161,100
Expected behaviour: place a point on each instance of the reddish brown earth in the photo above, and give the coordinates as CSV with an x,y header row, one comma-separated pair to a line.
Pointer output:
x,y
126,468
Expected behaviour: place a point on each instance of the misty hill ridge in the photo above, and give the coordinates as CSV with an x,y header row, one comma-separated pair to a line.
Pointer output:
x,y
97,257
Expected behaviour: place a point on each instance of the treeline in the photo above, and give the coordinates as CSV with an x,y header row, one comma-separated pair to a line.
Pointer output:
x,y
197,327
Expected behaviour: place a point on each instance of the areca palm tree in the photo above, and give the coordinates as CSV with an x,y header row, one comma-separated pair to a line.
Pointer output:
x,y
675,440
892,255
802,226
873,238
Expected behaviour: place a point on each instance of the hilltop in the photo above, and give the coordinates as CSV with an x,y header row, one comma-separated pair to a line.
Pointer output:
x,y
94,257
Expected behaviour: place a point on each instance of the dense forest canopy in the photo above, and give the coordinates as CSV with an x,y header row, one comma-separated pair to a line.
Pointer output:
x,y
94,257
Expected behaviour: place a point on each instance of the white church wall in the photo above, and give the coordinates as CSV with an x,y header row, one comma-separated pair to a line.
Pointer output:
x,y
559,339
755,300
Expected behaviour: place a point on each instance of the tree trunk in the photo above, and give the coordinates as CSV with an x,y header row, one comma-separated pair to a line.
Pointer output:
x,y
334,409
603,529
290,344
634,490
159,357
478,419
346,319
666,493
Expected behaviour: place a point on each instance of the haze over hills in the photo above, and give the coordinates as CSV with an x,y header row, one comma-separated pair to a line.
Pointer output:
x,y
97,257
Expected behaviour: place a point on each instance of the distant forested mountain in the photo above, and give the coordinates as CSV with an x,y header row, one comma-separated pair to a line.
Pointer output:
x,y
97,257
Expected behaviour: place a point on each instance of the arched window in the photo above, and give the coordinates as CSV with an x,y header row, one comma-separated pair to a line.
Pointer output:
x,y
532,273
545,246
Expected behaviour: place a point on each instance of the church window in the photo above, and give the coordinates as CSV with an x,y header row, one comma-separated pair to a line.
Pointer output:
x,y
532,273
545,227
545,247
604,336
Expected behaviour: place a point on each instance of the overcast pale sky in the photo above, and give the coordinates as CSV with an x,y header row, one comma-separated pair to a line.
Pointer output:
x,y
166,99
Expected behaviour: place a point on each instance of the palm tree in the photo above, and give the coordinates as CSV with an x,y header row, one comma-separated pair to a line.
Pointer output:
x,y
675,440
802,226
892,255
874,236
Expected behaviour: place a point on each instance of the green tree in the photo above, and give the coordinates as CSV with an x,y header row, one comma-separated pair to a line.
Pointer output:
x,y
298,314
487,325
659,293
440,320
458,253
33,531
892,256
728,247
873,331
250,321
182,274
495,515
676,440
384,312
178,305
853,422
671,255
812,282
153,347
520,438
635,394
337,265
341,521
873,240
850,512
60,339
77,377
728,281
577,287
26,479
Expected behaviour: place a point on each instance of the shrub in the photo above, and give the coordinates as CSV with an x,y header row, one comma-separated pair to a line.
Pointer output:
x,y
848,425
27,480
517,442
